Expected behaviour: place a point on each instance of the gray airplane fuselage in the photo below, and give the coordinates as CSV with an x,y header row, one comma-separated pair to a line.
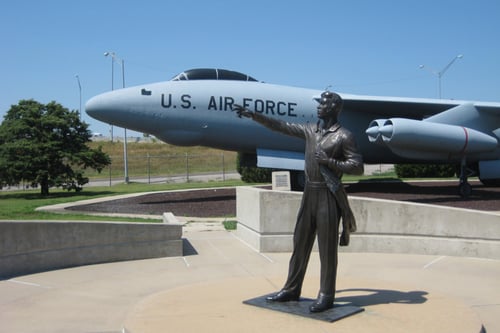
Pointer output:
x,y
387,129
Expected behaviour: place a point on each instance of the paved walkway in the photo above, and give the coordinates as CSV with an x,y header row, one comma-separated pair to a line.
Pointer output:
x,y
203,292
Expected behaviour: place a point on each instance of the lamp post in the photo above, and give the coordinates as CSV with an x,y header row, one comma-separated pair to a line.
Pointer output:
x,y
80,89
125,157
112,54
441,72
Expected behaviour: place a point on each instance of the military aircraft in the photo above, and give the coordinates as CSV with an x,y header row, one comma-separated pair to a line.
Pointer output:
x,y
195,108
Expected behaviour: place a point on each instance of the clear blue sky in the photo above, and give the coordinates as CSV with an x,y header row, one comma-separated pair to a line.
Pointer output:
x,y
360,47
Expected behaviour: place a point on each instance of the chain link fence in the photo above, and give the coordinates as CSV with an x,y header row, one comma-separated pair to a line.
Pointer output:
x,y
168,168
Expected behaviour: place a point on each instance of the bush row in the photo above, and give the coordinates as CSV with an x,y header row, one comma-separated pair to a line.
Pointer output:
x,y
252,174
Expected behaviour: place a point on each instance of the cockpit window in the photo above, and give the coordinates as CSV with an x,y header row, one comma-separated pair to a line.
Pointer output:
x,y
212,74
180,77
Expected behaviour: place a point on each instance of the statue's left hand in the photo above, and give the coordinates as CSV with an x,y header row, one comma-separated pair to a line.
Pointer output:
x,y
321,157
344,238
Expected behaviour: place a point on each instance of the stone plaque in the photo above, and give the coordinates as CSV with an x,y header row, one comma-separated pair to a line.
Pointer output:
x,y
281,181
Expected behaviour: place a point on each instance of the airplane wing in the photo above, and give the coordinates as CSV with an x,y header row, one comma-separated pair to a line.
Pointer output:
x,y
463,132
414,108
462,129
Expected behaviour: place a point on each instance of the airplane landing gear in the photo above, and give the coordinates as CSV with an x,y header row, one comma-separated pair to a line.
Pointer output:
x,y
464,188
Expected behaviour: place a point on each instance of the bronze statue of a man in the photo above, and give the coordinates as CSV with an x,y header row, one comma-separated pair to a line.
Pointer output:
x,y
330,151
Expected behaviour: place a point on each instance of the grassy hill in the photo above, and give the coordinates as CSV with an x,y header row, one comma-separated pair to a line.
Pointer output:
x,y
161,159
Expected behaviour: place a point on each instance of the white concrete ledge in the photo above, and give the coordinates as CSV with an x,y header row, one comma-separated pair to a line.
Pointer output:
x,y
266,221
33,246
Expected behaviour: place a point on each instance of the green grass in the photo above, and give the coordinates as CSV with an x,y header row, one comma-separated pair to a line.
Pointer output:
x,y
161,159
230,225
21,205
390,175
144,159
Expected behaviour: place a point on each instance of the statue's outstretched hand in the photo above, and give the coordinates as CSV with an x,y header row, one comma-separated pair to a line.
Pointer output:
x,y
242,111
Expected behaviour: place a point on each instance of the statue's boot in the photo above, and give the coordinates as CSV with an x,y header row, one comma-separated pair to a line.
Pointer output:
x,y
323,303
283,296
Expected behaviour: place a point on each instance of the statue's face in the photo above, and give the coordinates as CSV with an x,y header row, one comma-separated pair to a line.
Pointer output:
x,y
326,108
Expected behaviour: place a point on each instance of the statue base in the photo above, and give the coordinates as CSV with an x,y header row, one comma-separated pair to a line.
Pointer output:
x,y
301,308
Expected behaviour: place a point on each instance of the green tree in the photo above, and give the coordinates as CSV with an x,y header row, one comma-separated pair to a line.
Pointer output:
x,y
46,145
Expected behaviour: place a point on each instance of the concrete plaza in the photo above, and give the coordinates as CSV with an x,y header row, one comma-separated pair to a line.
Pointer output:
x,y
203,291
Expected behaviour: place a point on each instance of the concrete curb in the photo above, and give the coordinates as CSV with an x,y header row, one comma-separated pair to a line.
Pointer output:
x,y
383,225
34,246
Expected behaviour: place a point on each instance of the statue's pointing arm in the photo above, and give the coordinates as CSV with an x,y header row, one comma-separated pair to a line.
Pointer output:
x,y
271,123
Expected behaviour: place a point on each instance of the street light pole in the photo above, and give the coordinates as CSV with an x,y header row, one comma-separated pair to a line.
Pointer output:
x,y
80,89
112,54
125,154
441,72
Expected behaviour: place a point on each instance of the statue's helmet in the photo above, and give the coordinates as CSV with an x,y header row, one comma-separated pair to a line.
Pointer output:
x,y
332,100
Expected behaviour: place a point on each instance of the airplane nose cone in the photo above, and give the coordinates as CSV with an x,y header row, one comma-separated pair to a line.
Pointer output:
x,y
121,108
95,108
104,107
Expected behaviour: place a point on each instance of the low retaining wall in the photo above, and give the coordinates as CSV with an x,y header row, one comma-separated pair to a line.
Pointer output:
x,y
266,221
33,246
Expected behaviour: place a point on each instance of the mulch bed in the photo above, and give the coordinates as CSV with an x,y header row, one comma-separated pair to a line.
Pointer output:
x,y
434,193
222,202
195,203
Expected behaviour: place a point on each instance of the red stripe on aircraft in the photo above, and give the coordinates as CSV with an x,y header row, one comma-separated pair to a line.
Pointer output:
x,y
466,140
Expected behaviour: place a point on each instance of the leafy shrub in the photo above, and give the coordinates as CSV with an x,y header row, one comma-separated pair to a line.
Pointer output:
x,y
425,170
245,165
230,225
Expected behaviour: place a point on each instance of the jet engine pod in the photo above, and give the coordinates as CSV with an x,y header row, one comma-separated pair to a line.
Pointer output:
x,y
420,139
373,130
